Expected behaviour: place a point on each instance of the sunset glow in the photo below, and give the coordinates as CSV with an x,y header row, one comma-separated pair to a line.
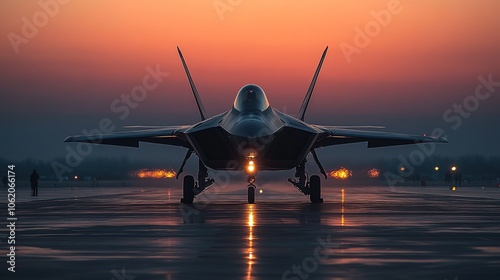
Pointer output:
x,y
108,43
390,63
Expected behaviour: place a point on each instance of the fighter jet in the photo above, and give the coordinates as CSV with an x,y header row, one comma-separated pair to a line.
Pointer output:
x,y
252,136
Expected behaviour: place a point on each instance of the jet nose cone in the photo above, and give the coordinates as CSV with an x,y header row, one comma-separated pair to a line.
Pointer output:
x,y
251,128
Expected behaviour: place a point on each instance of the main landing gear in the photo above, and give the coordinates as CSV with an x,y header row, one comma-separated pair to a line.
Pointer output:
x,y
312,188
191,188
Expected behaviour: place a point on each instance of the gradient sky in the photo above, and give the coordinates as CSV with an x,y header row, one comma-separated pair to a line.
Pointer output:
x,y
427,58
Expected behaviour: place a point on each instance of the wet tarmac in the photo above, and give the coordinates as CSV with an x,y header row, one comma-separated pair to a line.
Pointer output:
x,y
143,232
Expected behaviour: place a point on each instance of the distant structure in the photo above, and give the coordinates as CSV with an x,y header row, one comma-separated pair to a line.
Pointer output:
x,y
95,183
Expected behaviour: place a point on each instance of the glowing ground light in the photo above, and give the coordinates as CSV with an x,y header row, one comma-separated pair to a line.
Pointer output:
x,y
373,173
436,168
153,173
261,191
453,168
341,174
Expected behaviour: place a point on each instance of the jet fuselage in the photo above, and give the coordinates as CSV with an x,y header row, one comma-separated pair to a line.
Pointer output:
x,y
275,141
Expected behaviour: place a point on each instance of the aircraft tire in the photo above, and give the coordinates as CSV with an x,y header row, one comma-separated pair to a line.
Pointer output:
x,y
188,189
251,194
315,188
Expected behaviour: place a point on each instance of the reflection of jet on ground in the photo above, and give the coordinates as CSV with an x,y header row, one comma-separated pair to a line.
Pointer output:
x,y
252,136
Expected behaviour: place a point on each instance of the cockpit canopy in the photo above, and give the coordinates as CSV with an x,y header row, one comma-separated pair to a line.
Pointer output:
x,y
251,97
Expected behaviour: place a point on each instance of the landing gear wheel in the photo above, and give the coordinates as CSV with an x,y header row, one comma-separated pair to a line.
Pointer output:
x,y
188,189
251,194
315,188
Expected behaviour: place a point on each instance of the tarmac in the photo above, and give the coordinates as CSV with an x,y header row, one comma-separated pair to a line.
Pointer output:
x,y
139,230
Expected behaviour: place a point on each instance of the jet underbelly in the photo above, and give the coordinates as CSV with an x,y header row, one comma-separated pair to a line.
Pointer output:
x,y
282,150
289,147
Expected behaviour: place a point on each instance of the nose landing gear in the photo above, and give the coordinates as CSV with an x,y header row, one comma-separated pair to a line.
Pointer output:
x,y
251,189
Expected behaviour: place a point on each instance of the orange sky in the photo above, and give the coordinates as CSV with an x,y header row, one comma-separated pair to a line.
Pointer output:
x,y
266,42
426,58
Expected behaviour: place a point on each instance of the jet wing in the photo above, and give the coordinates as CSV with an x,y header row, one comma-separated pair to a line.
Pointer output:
x,y
333,135
168,135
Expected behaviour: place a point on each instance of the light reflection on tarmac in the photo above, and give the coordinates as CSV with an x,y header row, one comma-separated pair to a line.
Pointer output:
x,y
377,233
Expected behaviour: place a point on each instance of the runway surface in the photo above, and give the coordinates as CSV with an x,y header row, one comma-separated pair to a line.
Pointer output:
x,y
141,231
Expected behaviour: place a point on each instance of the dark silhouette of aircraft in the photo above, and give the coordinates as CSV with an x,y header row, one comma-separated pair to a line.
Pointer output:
x,y
252,136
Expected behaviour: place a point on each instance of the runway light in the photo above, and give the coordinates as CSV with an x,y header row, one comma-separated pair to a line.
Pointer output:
x,y
76,177
436,168
153,173
454,188
342,173
373,173
453,168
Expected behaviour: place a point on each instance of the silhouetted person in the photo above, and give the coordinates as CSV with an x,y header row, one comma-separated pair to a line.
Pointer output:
x,y
34,183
